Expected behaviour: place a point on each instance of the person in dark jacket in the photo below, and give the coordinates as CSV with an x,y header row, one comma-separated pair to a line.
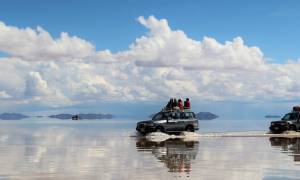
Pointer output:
x,y
187,104
169,105
175,103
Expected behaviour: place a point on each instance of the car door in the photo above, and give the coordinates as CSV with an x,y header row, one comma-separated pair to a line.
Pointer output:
x,y
173,121
164,122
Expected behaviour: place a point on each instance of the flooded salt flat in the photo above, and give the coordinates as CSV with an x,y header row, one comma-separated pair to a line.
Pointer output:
x,y
55,149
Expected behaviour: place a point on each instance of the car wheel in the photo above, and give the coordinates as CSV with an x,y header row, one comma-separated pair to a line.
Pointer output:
x,y
190,128
160,129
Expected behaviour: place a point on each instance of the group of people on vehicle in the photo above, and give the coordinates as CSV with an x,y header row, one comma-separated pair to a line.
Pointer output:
x,y
175,104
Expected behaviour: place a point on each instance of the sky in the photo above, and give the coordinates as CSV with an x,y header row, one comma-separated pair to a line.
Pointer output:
x,y
119,56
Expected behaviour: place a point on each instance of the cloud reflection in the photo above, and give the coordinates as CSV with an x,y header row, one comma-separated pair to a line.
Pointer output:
x,y
98,151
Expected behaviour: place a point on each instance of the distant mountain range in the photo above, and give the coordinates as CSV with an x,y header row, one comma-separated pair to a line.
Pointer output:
x,y
200,116
82,116
17,116
12,116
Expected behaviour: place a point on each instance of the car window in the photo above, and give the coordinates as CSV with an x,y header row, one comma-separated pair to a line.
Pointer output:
x,y
176,115
191,115
166,115
286,117
187,115
294,116
183,116
158,116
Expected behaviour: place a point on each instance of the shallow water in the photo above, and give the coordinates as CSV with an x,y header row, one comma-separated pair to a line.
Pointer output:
x,y
56,149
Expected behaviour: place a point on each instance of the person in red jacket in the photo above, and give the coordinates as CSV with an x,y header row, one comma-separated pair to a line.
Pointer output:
x,y
180,104
187,104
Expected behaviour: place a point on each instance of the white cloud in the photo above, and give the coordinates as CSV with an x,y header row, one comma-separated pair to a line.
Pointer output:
x,y
160,64
38,44
4,95
35,85
166,48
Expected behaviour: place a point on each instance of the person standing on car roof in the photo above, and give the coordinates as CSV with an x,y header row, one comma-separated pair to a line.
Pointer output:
x,y
187,104
169,105
175,103
180,104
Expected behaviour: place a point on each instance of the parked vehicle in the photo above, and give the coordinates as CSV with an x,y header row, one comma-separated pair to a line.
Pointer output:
x,y
290,121
169,122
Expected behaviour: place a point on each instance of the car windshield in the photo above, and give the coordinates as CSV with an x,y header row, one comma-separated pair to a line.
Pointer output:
x,y
286,117
290,116
158,116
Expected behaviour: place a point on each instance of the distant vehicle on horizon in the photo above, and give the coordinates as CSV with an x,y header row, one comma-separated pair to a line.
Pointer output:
x,y
76,117
290,121
169,122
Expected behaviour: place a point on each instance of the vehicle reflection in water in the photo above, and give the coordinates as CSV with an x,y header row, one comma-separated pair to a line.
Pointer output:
x,y
177,154
288,145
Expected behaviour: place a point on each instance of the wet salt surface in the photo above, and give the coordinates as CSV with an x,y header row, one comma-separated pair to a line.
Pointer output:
x,y
53,149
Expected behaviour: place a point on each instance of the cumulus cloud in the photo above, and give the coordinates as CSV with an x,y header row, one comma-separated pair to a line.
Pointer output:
x,y
166,48
35,85
162,63
37,44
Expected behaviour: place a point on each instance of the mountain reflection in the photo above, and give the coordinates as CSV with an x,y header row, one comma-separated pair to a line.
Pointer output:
x,y
287,145
177,154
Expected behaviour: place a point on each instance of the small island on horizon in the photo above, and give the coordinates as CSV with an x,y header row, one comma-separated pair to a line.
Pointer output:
x,y
272,116
206,116
82,116
12,116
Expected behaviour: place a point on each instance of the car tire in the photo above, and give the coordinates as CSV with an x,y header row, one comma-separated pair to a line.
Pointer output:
x,y
189,128
160,129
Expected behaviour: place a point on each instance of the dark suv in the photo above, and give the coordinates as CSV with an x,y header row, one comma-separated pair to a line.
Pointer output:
x,y
169,122
290,121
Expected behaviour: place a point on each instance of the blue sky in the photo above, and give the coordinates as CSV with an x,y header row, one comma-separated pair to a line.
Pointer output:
x,y
270,26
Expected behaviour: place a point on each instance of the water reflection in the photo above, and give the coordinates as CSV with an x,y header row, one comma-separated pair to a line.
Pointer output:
x,y
287,145
177,154
100,150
